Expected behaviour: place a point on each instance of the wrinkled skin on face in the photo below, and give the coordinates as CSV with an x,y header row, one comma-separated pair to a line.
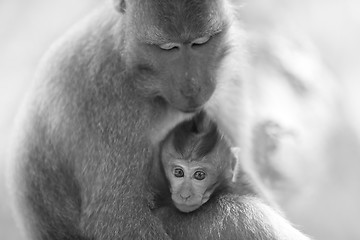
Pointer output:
x,y
191,183
174,55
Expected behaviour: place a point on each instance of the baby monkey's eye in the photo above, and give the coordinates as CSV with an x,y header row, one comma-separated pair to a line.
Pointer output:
x,y
178,172
199,175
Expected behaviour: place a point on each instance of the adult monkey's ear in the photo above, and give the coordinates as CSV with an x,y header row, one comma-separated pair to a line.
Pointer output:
x,y
120,5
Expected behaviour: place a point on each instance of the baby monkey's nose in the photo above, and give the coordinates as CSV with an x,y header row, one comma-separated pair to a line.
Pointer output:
x,y
185,196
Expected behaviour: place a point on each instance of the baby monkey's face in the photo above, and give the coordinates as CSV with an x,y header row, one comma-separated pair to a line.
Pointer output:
x,y
197,161
192,181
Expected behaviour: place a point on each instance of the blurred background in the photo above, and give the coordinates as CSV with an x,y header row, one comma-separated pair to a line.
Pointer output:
x,y
28,27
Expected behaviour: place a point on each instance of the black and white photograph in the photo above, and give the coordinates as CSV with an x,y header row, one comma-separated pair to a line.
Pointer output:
x,y
179,119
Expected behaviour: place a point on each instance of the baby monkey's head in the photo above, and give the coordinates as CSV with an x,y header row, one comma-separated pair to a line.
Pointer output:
x,y
196,161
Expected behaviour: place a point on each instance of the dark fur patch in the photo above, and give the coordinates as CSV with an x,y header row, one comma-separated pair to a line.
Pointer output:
x,y
198,136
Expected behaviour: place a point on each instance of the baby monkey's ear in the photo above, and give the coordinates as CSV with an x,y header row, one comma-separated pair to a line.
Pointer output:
x,y
120,5
235,151
235,157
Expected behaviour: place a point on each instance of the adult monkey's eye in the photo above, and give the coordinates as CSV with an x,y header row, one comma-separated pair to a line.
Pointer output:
x,y
178,172
200,41
169,46
199,175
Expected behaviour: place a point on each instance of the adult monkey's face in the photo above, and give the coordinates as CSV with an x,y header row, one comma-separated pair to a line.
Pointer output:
x,y
175,47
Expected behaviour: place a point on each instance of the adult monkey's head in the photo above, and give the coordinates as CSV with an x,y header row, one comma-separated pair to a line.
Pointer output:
x,y
174,47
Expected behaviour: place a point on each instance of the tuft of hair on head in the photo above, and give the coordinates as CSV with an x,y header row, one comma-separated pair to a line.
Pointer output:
x,y
120,5
197,136
182,137
207,141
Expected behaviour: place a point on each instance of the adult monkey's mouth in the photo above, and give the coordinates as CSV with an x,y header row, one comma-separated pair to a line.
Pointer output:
x,y
187,107
192,110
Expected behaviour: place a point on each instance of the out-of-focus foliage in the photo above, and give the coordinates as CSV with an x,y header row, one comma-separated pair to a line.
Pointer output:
x,y
327,206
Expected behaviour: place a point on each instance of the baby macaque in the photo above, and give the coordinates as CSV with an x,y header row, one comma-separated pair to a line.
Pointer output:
x,y
197,162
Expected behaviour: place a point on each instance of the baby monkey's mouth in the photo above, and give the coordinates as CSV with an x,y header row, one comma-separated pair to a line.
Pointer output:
x,y
186,208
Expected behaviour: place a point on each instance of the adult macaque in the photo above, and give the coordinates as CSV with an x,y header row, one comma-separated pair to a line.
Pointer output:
x,y
104,97
197,162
